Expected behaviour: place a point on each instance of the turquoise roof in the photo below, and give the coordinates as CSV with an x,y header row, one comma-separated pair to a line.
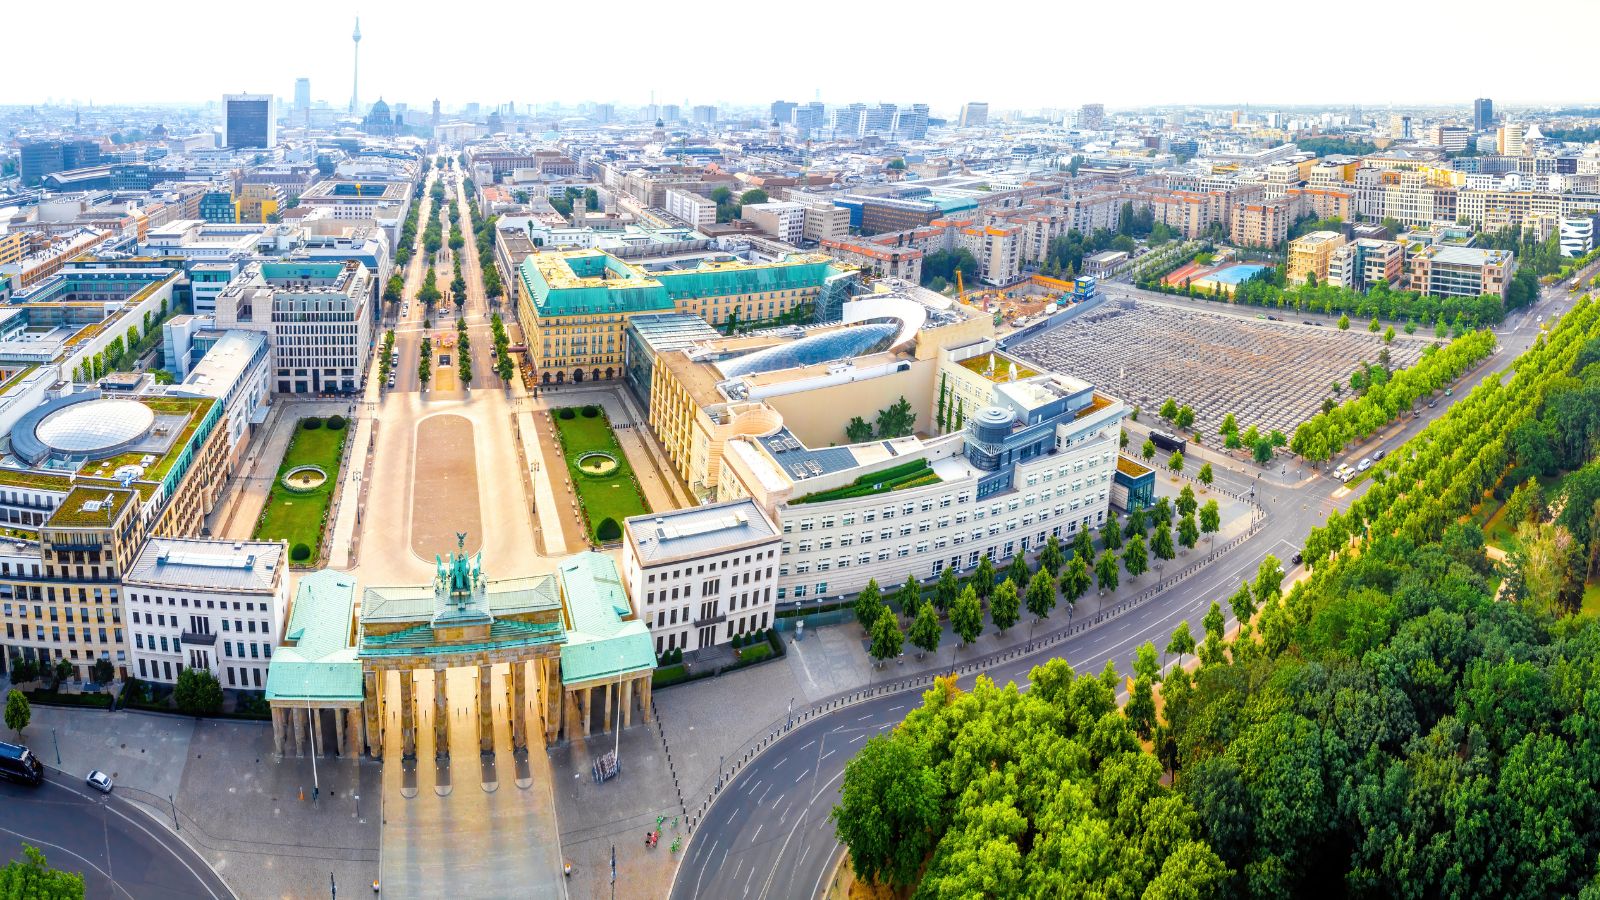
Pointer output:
x,y
592,282
601,643
321,664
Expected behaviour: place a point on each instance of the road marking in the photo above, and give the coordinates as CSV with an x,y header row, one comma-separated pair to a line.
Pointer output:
x,y
757,833
865,717
781,850
897,708
802,776
826,755
753,787
807,744
857,738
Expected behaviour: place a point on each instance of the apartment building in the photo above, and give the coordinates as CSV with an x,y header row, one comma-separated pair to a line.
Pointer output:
x,y
1448,271
195,603
1262,224
702,575
695,209
1309,255
260,203
997,249
878,260
1325,202
1410,197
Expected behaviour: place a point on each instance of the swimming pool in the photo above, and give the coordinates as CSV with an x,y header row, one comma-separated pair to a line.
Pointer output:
x,y
1236,274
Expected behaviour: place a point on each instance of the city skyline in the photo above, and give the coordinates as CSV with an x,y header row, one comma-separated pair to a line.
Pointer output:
x,y
1132,73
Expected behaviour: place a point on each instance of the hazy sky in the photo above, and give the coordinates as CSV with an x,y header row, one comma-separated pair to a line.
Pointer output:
x,y
1015,54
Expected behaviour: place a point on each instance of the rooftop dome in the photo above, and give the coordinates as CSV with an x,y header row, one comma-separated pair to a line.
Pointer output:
x,y
843,343
95,428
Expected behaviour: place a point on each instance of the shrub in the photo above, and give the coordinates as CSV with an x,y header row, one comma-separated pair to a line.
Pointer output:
x,y
198,693
591,411
566,412
300,553
609,530
311,424
336,422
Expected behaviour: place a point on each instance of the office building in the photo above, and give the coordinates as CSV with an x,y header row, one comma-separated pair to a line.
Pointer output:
x,y
974,115
809,118
248,120
783,111
194,603
1509,139
704,115
911,122
260,203
1092,116
702,575
576,304
1309,255
1364,263
1482,114
41,158
1449,271
783,219
316,316
302,101
219,207
1577,235
89,476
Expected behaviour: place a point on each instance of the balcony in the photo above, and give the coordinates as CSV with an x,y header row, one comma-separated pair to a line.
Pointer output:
x,y
195,637
712,620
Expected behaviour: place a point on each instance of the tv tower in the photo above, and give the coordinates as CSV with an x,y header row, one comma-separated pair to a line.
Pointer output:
x,y
355,79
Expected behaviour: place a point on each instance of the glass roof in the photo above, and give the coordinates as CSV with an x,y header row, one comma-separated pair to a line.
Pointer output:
x,y
858,340
95,425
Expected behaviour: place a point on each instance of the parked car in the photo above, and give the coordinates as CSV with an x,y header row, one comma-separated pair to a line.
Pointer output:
x,y
1297,558
1364,465
1379,455
1272,318
100,781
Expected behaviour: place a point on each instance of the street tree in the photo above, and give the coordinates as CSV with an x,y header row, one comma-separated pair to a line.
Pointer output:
x,y
1075,579
1162,542
966,616
1145,663
887,640
1169,409
982,579
30,878
1005,605
1148,450
1041,594
1188,532
1136,557
925,630
1083,544
1182,641
1212,651
890,810
1269,580
1105,571
1210,518
1053,557
1018,570
18,711
1175,461
947,590
869,605
909,596
1186,501
1185,416
1141,708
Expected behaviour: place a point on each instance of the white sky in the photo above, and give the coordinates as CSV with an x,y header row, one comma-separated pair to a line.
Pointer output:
x,y
1015,54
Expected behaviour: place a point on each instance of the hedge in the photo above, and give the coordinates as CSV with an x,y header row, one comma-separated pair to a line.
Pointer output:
x,y
300,553
311,423
609,530
566,412
912,474
590,411
336,422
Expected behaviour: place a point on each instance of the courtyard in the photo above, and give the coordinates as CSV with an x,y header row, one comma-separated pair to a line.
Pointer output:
x,y
1270,374
297,505
600,473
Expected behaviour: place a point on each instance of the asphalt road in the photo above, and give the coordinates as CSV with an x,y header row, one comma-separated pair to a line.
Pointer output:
x,y
768,835
119,849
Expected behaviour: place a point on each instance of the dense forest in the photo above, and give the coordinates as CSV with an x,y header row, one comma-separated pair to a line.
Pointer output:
x,y
1413,720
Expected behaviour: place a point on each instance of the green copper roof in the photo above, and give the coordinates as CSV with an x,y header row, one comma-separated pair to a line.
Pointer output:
x,y
592,282
502,634
321,664
600,642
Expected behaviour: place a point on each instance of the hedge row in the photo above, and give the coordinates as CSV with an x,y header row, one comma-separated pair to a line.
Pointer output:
x,y
891,479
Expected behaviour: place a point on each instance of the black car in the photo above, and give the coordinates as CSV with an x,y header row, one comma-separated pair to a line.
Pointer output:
x,y
1296,558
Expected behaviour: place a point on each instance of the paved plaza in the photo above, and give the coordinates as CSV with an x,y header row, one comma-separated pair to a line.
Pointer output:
x,y
1273,375
444,486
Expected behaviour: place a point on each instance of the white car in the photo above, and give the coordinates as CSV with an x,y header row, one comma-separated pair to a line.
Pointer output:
x,y
1364,465
100,781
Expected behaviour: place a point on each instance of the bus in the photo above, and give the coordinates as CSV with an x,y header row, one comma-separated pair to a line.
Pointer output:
x,y
1168,442
18,763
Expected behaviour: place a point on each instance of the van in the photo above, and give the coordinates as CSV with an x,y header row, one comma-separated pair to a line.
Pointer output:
x,y
17,763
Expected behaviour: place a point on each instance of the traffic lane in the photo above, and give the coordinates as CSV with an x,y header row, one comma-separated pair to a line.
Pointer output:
x,y
117,849
772,830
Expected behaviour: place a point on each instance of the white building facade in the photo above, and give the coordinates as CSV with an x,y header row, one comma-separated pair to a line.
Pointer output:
x,y
702,575
206,604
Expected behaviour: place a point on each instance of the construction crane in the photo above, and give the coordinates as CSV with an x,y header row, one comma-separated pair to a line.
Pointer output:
x,y
961,289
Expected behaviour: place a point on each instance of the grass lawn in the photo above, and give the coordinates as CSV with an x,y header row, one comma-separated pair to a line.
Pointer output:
x,y
614,496
299,518
1591,598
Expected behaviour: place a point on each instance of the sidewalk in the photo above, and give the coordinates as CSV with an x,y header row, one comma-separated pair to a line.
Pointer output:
x,y
229,798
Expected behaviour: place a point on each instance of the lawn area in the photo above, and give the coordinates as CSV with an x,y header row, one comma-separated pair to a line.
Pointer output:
x,y
1591,598
300,516
615,495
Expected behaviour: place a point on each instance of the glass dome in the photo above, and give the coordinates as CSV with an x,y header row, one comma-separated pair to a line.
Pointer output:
x,y
844,343
95,427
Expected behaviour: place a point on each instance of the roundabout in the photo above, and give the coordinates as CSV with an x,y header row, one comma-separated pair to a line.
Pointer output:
x,y
597,463
304,479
